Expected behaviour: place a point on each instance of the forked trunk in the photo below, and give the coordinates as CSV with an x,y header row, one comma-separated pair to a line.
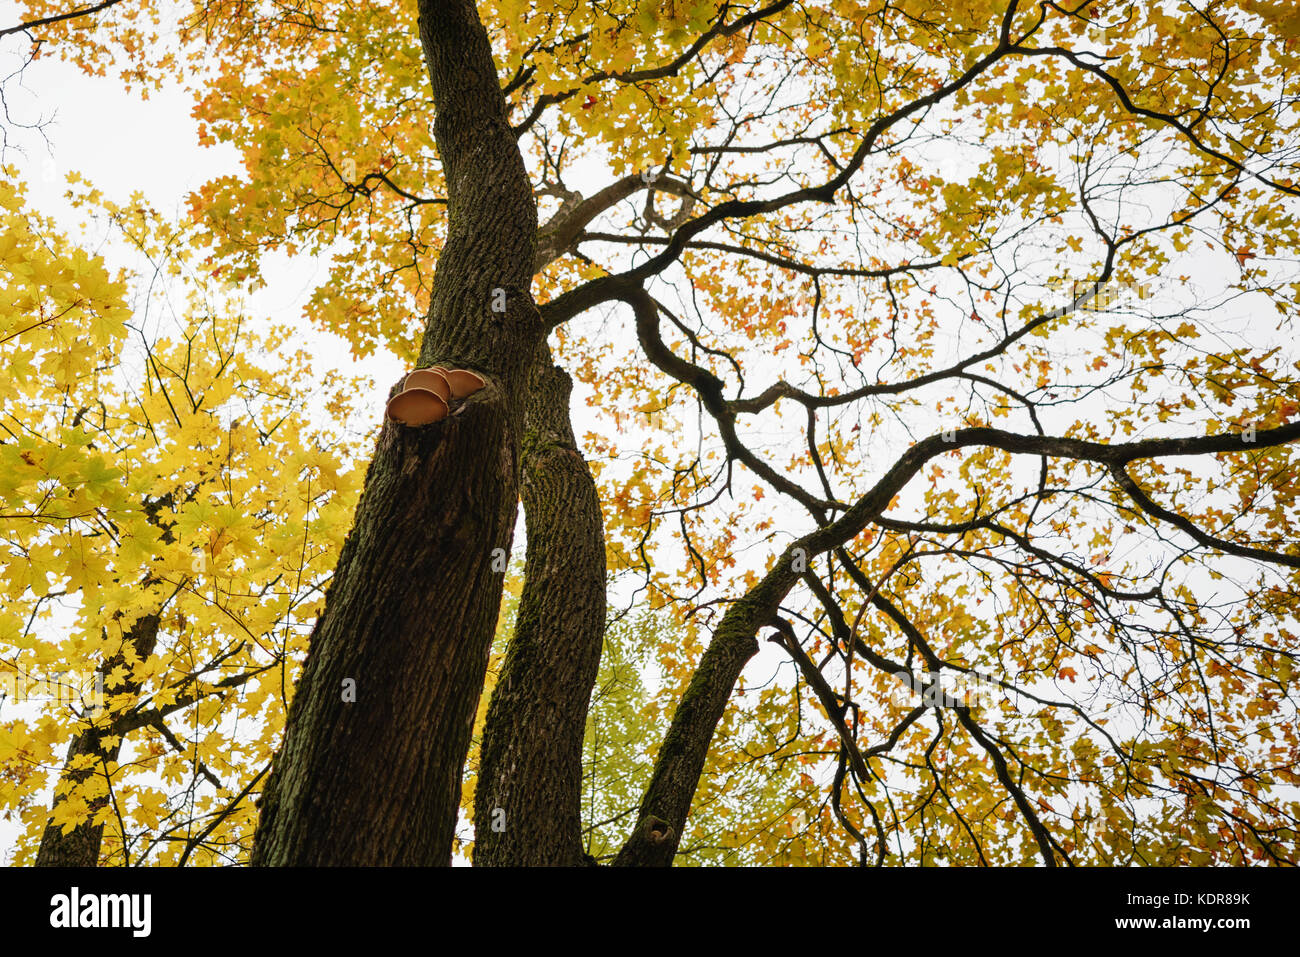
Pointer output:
x,y
527,806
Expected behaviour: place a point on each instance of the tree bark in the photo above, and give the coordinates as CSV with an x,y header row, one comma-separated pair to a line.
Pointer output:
x,y
527,808
80,846
413,604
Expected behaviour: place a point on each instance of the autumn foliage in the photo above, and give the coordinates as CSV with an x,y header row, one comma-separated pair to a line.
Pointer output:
x,y
944,338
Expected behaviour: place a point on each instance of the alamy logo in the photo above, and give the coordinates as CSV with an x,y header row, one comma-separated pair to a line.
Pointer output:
x,y
102,910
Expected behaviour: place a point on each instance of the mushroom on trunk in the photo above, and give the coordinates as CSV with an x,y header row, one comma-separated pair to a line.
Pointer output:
x,y
417,407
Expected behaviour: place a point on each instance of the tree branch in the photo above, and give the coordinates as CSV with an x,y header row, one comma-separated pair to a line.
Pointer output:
x,y
58,17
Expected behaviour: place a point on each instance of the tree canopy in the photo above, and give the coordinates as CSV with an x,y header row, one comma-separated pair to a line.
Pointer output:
x,y
848,359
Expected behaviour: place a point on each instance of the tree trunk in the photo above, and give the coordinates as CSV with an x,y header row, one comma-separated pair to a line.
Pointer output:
x,y
527,807
412,608
80,846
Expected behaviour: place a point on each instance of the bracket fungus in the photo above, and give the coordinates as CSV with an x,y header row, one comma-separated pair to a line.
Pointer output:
x,y
432,379
417,407
426,393
464,383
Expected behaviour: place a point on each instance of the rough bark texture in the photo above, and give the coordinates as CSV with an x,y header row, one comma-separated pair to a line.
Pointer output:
x,y
530,771
80,846
412,608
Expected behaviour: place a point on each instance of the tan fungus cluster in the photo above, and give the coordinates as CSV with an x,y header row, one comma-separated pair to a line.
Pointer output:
x,y
426,393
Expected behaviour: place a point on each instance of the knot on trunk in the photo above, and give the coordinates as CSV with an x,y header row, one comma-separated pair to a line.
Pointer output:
x,y
657,830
